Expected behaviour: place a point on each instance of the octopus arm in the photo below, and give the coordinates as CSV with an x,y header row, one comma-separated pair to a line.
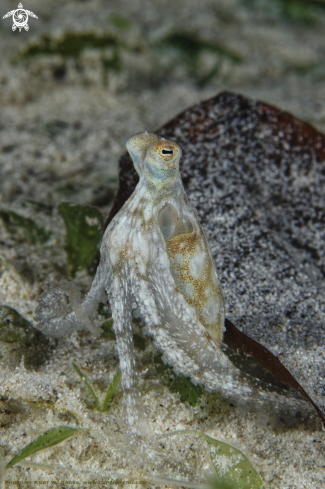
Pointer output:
x,y
120,297
62,311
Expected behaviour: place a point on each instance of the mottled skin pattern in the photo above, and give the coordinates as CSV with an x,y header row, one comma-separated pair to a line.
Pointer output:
x,y
196,279
156,265
190,259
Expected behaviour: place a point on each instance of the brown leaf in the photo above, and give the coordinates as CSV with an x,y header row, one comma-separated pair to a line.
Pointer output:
x,y
237,339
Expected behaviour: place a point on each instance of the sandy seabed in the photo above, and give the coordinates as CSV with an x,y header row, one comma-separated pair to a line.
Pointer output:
x,y
63,126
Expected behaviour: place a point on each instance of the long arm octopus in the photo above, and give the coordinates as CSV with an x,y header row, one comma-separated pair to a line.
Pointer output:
x,y
156,265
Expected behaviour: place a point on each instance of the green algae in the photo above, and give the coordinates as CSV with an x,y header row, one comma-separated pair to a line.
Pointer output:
x,y
40,206
120,22
233,469
84,227
104,310
300,11
13,326
108,332
101,407
107,328
87,383
110,391
189,47
139,341
70,44
30,344
232,466
306,68
48,439
24,227
68,189
177,383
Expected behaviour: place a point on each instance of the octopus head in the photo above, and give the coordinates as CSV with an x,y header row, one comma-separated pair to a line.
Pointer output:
x,y
154,158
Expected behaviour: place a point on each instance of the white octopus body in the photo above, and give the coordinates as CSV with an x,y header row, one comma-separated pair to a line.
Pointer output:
x,y
143,255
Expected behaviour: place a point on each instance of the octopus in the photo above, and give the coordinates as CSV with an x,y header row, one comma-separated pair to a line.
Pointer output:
x,y
156,265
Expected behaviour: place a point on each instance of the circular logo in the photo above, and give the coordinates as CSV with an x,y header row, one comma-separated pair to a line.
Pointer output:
x,y
20,18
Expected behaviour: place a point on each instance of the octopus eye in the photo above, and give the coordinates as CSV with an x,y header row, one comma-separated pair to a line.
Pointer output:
x,y
167,151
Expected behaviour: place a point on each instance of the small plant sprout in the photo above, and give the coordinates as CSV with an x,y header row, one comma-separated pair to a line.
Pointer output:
x,y
101,407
